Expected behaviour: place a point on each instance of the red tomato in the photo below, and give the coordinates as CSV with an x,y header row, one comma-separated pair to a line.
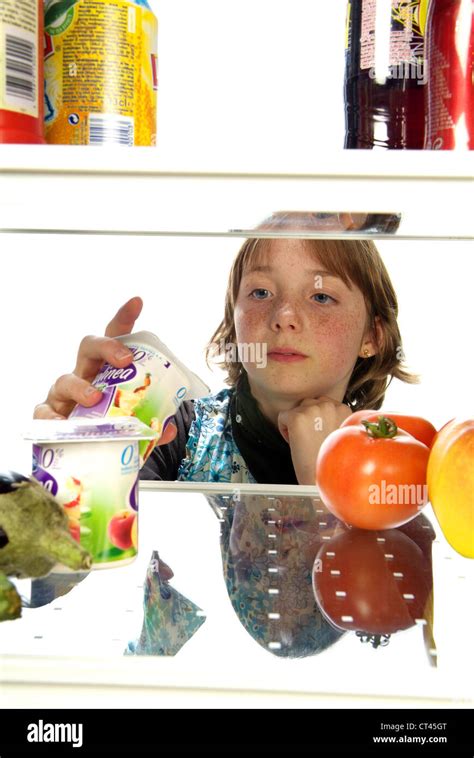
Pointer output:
x,y
418,427
372,582
372,482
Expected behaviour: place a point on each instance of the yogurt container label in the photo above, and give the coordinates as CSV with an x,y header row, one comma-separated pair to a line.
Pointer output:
x,y
151,388
91,467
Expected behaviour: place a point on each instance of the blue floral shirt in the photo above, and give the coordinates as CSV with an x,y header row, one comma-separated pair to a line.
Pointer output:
x,y
211,452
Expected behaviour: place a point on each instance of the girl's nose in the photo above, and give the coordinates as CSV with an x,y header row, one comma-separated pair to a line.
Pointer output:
x,y
285,317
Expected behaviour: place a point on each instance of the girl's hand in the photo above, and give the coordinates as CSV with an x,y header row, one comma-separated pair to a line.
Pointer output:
x,y
93,352
306,427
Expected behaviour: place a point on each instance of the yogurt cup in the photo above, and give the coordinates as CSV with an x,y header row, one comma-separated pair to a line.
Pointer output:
x,y
91,466
151,388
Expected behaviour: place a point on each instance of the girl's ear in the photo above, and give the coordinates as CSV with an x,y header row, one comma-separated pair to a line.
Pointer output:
x,y
373,340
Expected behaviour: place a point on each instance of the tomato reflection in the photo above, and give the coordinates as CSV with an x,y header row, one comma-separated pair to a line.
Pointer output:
x,y
375,582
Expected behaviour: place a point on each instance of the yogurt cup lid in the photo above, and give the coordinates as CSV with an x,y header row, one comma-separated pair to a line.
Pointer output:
x,y
89,430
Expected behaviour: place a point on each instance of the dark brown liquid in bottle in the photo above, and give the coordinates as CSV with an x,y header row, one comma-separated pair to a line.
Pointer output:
x,y
390,113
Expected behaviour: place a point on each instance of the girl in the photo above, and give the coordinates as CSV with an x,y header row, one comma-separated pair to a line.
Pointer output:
x,y
309,335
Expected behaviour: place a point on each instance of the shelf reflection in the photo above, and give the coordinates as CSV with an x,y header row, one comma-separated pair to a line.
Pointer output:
x,y
297,580
320,223
268,547
285,563
169,618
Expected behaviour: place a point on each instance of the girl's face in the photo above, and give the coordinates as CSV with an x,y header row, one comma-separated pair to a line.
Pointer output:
x,y
311,325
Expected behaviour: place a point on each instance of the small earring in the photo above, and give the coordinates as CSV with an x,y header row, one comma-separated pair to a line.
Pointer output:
x,y
366,353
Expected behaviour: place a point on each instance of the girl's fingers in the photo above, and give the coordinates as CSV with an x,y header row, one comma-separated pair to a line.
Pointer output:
x,y
168,435
315,401
43,410
95,351
71,388
283,425
124,320
166,572
65,393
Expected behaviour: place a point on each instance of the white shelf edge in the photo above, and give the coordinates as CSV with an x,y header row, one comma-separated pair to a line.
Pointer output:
x,y
464,237
171,673
121,193
80,160
229,488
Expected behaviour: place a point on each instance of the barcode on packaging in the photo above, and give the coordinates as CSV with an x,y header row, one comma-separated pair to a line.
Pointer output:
x,y
20,82
106,128
19,56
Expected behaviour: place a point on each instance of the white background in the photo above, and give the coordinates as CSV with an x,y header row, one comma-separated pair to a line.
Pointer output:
x,y
242,77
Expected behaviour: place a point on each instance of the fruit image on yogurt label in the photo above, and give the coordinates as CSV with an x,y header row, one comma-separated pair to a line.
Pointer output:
x,y
100,501
91,467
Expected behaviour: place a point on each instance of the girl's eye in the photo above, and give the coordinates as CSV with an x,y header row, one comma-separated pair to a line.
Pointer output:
x,y
259,293
323,302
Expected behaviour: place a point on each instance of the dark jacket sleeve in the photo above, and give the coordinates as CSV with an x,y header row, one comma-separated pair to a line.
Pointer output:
x,y
164,462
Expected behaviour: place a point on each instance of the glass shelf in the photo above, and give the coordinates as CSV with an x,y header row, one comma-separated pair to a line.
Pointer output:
x,y
272,547
78,190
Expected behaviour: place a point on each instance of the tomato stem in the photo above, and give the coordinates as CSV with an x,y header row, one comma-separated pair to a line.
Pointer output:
x,y
383,428
376,640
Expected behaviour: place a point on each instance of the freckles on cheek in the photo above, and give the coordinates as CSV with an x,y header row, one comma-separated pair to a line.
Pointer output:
x,y
248,324
339,339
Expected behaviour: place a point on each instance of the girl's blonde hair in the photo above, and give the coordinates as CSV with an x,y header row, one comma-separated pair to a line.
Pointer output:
x,y
354,261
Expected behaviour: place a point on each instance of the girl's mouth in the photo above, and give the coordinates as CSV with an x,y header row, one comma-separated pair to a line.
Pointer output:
x,y
286,355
